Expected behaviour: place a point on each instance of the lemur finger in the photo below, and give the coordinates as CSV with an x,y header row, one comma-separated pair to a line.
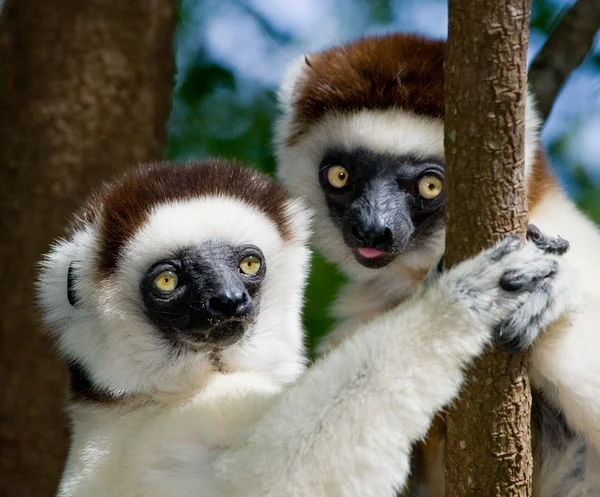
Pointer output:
x,y
526,267
506,246
550,245
520,330
516,279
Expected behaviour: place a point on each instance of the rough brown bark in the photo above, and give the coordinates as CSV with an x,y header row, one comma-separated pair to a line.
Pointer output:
x,y
85,92
563,52
489,438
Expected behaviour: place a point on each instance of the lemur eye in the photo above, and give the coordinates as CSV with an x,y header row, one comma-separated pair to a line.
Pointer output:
x,y
430,187
337,176
250,265
166,281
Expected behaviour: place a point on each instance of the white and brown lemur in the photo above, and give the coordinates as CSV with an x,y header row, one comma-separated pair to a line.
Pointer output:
x,y
176,300
361,138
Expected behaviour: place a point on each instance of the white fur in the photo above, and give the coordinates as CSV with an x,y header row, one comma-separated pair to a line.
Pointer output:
x,y
344,428
564,364
532,139
287,89
558,474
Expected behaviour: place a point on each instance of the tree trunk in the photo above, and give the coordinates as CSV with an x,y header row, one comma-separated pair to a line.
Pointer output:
x,y
85,92
489,438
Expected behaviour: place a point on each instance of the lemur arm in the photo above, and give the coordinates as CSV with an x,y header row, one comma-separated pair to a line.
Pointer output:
x,y
346,427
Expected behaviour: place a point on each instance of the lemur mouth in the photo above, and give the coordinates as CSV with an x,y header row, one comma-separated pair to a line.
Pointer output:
x,y
221,334
226,332
373,258
370,253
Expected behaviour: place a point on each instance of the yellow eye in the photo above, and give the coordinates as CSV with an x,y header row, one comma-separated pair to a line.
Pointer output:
x,y
250,265
166,281
337,176
430,187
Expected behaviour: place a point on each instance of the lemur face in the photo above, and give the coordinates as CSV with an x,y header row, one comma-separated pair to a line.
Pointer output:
x,y
207,294
383,204
375,180
361,137
174,273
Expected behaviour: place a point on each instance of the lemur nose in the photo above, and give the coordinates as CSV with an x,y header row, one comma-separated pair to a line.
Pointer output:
x,y
229,304
373,234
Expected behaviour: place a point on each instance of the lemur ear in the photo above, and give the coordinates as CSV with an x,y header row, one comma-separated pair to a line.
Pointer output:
x,y
71,295
291,78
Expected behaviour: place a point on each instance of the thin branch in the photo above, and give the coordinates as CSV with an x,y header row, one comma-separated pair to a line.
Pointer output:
x,y
563,52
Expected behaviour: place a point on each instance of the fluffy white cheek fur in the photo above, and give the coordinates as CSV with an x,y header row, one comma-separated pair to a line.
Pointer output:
x,y
274,344
109,332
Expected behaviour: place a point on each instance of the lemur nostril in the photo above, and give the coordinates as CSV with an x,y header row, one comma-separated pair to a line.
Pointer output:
x,y
386,239
383,240
228,304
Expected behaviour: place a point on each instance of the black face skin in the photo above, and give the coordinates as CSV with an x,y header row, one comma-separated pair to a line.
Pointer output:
x,y
380,206
213,302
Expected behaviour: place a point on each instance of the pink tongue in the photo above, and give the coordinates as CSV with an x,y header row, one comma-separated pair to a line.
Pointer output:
x,y
370,253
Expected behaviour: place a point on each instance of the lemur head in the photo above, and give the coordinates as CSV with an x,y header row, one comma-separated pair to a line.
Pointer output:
x,y
361,137
173,272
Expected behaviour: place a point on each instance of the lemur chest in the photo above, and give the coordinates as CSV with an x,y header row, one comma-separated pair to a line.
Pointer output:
x,y
365,300
361,301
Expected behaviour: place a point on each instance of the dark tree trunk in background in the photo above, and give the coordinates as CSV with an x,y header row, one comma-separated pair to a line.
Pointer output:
x,y
85,92
489,437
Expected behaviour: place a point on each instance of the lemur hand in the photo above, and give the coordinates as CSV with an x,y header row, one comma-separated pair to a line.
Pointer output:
x,y
515,288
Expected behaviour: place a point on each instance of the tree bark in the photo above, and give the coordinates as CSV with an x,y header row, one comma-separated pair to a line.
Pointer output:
x,y
489,438
85,92
563,52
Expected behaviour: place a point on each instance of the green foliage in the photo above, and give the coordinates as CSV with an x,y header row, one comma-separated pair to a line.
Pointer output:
x,y
323,285
544,16
379,10
588,199
210,118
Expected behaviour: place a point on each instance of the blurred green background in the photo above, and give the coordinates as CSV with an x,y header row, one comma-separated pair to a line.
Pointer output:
x,y
231,55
